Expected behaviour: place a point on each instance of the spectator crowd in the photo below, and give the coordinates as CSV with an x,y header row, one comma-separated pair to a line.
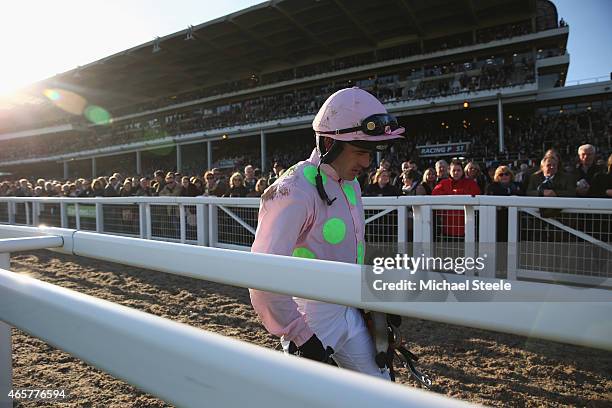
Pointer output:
x,y
587,176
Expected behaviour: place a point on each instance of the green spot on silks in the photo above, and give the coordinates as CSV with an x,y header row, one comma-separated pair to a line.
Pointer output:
x,y
334,230
303,253
360,253
310,172
349,191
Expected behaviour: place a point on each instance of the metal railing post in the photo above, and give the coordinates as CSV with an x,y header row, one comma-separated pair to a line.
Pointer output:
x,y
99,218
148,230
35,213
513,243
470,234
6,352
487,238
77,216
182,226
142,220
422,230
63,215
212,225
11,212
402,226
201,218
26,207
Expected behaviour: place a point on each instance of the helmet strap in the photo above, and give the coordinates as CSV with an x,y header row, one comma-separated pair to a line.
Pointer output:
x,y
321,189
326,156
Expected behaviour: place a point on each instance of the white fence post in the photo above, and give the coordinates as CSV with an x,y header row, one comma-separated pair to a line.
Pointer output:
x,y
183,234
99,218
402,226
77,216
201,218
6,352
513,252
422,235
470,234
35,213
26,208
212,225
142,220
487,238
11,212
63,215
148,230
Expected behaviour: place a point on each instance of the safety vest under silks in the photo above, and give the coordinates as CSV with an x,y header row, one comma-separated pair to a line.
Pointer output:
x,y
294,221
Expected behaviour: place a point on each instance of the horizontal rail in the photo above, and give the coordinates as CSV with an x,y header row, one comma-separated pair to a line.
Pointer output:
x,y
197,365
518,201
30,243
585,324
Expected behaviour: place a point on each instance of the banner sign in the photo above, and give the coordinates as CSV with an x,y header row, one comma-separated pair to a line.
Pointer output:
x,y
448,149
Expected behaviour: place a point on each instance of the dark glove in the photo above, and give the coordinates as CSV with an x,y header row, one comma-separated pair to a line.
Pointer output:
x,y
313,349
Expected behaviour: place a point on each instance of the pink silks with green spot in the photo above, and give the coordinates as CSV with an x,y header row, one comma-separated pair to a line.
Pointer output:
x,y
294,221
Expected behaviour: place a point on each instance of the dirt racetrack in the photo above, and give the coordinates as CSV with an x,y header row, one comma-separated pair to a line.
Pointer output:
x,y
474,365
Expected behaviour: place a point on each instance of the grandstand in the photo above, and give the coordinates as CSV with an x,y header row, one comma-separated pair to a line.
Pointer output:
x,y
244,88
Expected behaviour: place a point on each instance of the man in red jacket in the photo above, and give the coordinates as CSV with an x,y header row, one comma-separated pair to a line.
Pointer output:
x,y
457,184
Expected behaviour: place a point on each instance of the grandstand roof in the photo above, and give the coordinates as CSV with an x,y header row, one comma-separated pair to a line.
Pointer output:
x,y
272,36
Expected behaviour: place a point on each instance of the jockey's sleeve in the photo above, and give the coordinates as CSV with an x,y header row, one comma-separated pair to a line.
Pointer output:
x,y
285,214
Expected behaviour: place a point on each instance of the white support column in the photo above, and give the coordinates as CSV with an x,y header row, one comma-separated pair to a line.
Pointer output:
x,y
209,158
500,122
65,170
94,169
139,162
262,137
179,158
6,352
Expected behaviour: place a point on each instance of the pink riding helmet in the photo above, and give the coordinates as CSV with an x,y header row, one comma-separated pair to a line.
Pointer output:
x,y
351,112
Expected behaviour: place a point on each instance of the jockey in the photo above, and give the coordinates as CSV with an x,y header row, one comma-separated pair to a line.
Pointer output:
x,y
314,211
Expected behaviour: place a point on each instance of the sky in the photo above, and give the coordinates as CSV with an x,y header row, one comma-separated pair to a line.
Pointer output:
x,y
39,39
